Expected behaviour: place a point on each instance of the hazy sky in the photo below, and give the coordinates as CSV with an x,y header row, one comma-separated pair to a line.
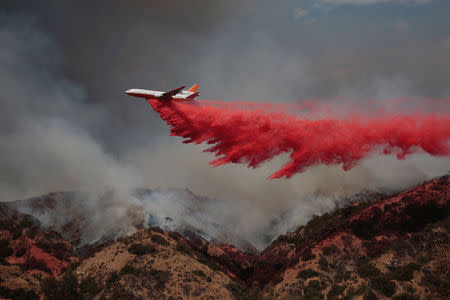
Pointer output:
x,y
65,122
251,50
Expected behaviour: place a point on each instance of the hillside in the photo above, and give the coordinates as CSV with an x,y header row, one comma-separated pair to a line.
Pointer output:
x,y
385,247
394,247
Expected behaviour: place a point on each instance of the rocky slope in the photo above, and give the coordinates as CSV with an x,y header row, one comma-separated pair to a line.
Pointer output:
x,y
394,247
386,247
28,254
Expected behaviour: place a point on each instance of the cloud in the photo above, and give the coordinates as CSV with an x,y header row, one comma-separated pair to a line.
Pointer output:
x,y
309,21
46,124
65,123
251,206
372,2
401,26
446,43
300,13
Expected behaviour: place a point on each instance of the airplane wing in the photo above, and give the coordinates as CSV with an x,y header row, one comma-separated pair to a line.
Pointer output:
x,y
173,92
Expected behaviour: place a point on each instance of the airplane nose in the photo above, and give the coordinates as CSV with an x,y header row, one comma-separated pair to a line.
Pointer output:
x,y
128,92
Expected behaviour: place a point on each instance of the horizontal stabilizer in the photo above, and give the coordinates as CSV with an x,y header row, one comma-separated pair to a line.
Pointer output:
x,y
192,96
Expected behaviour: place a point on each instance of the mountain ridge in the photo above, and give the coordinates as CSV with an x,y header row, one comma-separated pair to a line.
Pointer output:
x,y
392,246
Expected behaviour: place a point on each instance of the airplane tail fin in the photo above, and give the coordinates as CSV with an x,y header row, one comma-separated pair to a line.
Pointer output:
x,y
193,88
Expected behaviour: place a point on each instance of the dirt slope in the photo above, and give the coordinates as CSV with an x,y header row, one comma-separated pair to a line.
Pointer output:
x,y
385,247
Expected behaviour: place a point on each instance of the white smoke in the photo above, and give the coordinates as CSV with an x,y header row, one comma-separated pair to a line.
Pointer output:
x,y
46,142
49,140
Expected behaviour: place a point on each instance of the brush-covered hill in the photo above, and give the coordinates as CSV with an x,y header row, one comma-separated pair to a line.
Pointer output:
x,y
386,247
396,247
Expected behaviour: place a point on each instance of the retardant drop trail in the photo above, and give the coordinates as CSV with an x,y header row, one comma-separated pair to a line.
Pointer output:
x,y
253,135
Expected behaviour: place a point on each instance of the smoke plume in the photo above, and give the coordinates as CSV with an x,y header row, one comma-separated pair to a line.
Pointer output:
x,y
66,125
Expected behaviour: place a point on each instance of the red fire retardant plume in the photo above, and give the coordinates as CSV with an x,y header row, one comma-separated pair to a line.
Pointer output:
x,y
250,134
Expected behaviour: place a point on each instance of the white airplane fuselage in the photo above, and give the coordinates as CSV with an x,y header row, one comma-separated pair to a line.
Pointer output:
x,y
177,94
144,93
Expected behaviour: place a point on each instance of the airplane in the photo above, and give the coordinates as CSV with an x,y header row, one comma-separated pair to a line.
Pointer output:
x,y
176,94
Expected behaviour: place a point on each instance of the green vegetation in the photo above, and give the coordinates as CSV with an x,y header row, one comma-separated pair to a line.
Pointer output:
x,y
3,262
404,273
155,229
59,246
243,293
199,273
351,292
383,285
320,226
370,296
210,264
5,250
341,273
183,247
347,239
161,277
129,269
141,249
308,255
330,250
58,249
31,232
278,266
402,247
439,279
307,273
15,230
159,239
313,290
113,277
90,288
261,264
18,294
27,221
64,289
21,250
405,297
365,227
277,279
323,263
122,294
5,225
74,265
34,263
335,292
367,270
238,291
52,234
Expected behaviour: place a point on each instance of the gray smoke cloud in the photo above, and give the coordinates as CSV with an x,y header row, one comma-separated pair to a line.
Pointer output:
x,y
63,125
255,209
46,143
